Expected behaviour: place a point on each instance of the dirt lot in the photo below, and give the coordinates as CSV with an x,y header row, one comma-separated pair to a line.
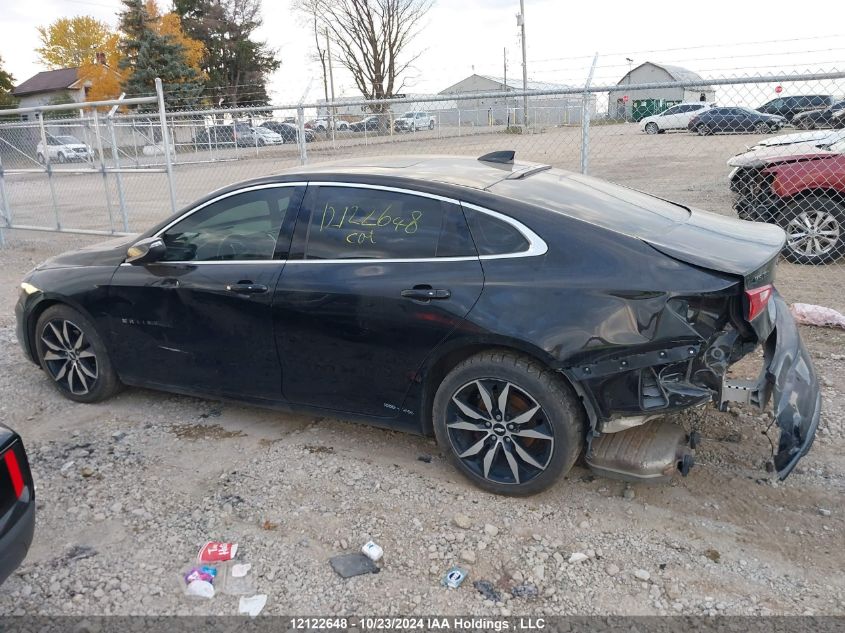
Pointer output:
x,y
129,489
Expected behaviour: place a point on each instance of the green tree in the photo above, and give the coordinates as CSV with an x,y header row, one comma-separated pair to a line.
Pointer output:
x,y
72,42
7,83
237,66
147,54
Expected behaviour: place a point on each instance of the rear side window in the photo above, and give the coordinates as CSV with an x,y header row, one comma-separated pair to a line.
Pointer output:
x,y
362,223
493,236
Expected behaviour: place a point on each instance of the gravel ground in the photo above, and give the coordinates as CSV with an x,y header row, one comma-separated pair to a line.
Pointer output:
x,y
129,489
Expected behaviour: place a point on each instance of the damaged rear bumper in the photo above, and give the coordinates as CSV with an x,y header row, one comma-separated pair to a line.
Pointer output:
x,y
789,379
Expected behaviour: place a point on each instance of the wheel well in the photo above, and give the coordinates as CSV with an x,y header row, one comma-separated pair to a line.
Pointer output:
x,y
836,196
36,313
443,365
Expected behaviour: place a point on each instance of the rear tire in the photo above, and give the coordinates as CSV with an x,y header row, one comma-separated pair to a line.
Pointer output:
x,y
74,356
652,128
517,451
702,129
815,230
62,158
762,128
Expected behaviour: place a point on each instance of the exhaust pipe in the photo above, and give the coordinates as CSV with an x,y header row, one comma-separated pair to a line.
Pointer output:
x,y
653,452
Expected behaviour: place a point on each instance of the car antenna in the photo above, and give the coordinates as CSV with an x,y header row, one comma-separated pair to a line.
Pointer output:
x,y
504,157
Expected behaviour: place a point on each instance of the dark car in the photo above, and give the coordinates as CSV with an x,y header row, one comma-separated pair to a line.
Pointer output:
x,y
288,131
832,117
238,134
519,313
17,503
804,193
372,123
734,119
788,107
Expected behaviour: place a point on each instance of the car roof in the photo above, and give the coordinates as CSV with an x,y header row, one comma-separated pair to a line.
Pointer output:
x,y
463,171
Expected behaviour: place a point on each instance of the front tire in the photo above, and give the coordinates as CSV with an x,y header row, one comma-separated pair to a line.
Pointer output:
x,y
702,130
815,227
652,128
74,356
507,423
762,128
62,158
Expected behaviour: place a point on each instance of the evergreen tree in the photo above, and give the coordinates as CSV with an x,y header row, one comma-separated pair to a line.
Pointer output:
x,y
237,66
146,54
7,83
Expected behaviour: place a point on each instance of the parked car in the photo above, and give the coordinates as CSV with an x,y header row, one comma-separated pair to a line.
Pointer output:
x,y
63,149
324,124
759,154
413,121
676,117
821,137
288,131
17,503
517,312
788,107
802,189
265,136
373,123
824,118
222,135
734,119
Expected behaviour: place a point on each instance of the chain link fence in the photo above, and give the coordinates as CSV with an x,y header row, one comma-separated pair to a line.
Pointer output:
x,y
768,149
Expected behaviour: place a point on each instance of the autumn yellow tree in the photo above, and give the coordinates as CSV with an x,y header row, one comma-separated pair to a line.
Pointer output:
x,y
103,72
170,25
72,42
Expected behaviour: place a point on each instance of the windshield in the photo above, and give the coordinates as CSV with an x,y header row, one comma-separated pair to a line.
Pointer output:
x,y
408,115
68,140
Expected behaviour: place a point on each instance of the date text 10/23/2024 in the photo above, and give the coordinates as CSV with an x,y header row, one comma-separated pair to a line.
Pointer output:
x,y
418,623
362,226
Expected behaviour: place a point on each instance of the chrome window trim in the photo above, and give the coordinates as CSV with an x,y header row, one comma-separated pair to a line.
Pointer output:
x,y
223,196
536,245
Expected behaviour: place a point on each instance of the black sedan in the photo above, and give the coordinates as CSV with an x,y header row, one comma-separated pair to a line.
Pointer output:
x,y
832,117
734,119
520,313
288,131
372,123
17,503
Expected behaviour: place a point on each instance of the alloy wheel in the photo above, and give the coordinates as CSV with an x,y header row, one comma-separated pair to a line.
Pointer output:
x,y
499,431
813,233
69,357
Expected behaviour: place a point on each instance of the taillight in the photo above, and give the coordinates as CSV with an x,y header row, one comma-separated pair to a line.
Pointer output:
x,y
14,472
757,300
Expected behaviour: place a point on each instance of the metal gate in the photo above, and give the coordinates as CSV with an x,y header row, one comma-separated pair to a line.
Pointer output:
x,y
95,166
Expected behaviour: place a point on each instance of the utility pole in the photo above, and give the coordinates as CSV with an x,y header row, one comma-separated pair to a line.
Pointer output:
x,y
507,112
520,20
332,113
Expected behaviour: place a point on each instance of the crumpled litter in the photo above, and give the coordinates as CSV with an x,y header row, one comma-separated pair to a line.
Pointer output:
x,y
252,606
809,314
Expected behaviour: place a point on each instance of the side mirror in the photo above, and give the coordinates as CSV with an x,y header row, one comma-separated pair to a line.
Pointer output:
x,y
145,251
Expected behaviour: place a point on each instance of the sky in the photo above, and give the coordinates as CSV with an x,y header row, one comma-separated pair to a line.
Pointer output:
x,y
459,37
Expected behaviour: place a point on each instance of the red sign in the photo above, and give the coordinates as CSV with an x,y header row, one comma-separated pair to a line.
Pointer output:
x,y
778,89
625,98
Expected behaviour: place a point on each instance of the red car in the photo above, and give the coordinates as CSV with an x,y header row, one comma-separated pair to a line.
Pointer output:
x,y
804,194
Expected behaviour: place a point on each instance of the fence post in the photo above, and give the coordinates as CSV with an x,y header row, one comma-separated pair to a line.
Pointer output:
x,y
101,155
300,126
115,154
165,138
49,170
585,119
5,213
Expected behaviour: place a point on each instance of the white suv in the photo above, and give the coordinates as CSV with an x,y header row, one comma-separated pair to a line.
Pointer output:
x,y
63,149
675,118
413,121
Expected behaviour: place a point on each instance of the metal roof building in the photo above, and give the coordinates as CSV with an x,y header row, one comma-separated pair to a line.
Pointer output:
x,y
628,102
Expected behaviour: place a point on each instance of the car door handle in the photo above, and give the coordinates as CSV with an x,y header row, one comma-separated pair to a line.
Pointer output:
x,y
426,294
246,288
